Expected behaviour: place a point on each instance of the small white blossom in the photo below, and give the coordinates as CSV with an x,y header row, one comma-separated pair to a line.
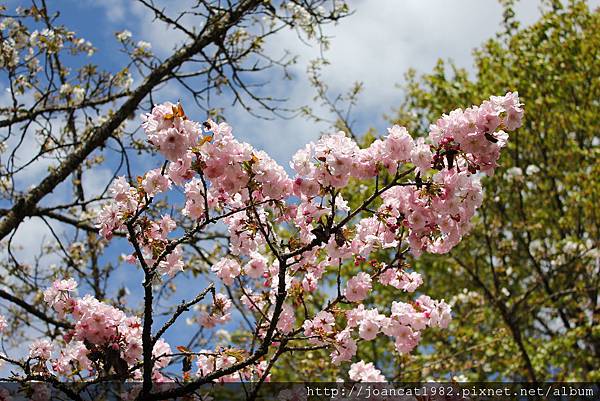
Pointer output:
x,y
513,173
143,45
123,36
532,169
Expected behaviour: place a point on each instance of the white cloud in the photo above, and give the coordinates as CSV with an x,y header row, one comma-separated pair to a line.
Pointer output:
x,y
29,239
115,10
376,45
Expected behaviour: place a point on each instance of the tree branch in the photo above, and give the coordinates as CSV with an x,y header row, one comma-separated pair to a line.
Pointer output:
x,y
215,30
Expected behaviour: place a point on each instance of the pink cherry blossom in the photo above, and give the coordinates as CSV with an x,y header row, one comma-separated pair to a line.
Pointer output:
x,y
286,320
345,347
471,133
227,269
167,224
173,263
358,287
195,199
421,155
219,312
429,195
172,134
365,372
368,329
320,325
406,339
162,352
256,266
41,349
58,295
180,170
154,182
72,358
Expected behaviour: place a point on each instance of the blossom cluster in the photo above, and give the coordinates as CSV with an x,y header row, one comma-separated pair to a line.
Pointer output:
x,y
477,132
365,372
218,314
437,217
428,193
336,158
103,337
209,362
404,324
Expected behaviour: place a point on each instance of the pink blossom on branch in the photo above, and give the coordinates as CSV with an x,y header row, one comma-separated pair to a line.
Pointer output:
x,y
103,336
287,234
40,349
155,182
358,287
227,269
365,372
219,313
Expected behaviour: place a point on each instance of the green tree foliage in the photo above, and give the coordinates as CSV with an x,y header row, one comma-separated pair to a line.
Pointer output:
x,y
525,282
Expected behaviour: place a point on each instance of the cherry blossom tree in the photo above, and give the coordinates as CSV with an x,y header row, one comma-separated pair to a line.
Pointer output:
x,y
64,115
64,121
524,282
283,264
286,237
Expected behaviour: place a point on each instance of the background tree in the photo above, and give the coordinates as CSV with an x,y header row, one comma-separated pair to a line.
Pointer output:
x,y
524,283
286,240
63,118
278,236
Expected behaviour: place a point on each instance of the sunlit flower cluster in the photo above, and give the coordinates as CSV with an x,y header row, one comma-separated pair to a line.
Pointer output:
x,y
427,192
103,336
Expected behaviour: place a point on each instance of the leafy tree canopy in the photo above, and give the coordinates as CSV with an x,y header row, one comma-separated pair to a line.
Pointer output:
x,y
524,284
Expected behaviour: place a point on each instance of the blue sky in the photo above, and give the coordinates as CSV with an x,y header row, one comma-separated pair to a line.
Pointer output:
x,y
376,45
